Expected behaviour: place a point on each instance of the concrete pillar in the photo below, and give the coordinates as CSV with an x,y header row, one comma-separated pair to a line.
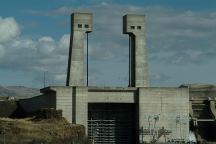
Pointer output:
x,y
134,26
81,106
81,23
73,101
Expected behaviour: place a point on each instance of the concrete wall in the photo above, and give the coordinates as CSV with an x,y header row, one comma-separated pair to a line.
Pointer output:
x,y
166,108
112,95
158,108
63,100
72,101
32,105
81,107
203,110
26,107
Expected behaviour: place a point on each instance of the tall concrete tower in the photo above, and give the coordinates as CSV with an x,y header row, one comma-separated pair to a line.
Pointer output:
x,y
81,23
133,25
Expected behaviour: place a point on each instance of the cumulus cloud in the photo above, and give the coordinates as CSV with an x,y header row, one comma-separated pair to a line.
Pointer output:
x,y
159,78
2,51
45,46
19,53
64,41
9,29
167,29
173,37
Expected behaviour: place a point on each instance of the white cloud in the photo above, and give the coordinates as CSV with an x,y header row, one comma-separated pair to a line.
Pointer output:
x,y
167,29
9,29
22,43
159,78
45,46
46,39
2,51
173,37
64,41
60,77
25,54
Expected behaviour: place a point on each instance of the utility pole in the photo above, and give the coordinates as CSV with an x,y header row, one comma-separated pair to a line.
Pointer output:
x,y
44,78
87,63
129,63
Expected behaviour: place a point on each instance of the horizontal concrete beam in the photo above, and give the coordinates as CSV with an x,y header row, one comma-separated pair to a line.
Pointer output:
x,y
112,97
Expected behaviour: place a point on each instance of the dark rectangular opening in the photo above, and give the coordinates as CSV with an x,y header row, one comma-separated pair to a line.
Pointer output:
x,y
79,25
112,123
132,27
139,27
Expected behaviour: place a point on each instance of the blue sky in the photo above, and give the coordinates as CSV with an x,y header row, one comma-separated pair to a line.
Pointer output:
x,y
34,38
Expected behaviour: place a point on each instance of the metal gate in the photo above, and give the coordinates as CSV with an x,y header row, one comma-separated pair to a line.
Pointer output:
x,y
111,123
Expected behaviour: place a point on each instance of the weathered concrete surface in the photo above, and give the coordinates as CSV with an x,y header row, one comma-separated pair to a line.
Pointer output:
x,y
134,26
73,102
81,23
26,107
63,100
164,108
202,101
81,106
203,110
169,105
111,95
32,105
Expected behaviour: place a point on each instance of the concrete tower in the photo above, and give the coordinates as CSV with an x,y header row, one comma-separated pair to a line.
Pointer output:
x,y
133,25
81,23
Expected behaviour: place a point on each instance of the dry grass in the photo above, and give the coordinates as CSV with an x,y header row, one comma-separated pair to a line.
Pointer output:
x,y
46,130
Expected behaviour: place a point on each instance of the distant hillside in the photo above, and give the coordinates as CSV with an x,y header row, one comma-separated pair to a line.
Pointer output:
x,y
18,92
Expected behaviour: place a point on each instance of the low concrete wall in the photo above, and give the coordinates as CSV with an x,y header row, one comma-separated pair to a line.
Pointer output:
x,y
63,100
25,107
32,105
72,101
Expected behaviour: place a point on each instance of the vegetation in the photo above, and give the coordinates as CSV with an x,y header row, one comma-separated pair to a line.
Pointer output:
x,y
40,131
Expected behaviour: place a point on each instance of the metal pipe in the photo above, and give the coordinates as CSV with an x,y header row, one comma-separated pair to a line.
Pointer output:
x,y
129,53
87,59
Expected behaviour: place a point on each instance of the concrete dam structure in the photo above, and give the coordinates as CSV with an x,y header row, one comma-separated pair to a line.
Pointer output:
x,y
121,115
135,114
